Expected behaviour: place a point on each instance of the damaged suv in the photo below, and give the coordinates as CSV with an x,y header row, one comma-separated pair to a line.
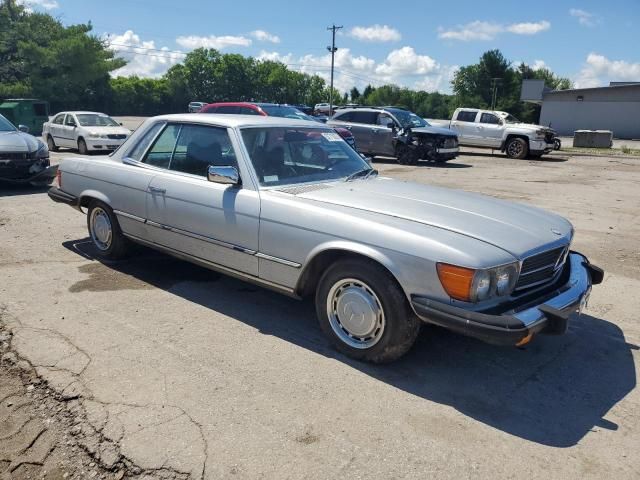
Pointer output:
x,y
396,132
23,157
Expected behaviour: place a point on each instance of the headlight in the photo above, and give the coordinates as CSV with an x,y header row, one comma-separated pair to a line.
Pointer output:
x,y
470,285
540,133
43,151
97,135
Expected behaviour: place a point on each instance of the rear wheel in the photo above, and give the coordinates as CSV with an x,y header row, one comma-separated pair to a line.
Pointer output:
x,y
51,144
82,147
517,148
364,312
406,156
105,232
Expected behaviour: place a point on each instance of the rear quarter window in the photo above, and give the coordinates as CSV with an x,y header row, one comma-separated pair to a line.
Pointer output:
x,y
466,116
364,117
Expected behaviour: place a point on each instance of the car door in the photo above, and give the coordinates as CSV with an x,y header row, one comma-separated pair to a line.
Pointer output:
x,y
361,124
382,135
490,130
68,135
191,215
465,126
55,129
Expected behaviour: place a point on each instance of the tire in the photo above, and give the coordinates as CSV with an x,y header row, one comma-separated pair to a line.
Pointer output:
x,y
388,326
51,144
105,232
557,144
82,147
517,148
406,156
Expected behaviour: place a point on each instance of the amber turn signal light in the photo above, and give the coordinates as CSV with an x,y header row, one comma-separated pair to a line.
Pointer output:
x,y
456,281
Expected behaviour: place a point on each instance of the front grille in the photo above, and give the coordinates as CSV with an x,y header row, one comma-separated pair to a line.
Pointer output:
x,y
14,156
118,136
541,268
548,137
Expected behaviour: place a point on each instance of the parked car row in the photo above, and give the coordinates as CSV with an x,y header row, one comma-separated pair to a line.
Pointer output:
x,y
287,204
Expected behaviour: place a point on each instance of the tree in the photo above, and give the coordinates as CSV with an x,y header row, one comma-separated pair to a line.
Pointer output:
x,y
354,94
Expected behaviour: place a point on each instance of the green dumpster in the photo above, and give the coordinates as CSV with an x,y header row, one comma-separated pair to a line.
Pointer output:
x,y
26,111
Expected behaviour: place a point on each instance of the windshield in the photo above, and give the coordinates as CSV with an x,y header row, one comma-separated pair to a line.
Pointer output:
x,y
410,119
6,125
287,156
511,119
286,112
93,120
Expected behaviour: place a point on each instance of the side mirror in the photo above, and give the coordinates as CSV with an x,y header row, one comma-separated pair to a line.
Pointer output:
x,y
226,175
23,128
391,124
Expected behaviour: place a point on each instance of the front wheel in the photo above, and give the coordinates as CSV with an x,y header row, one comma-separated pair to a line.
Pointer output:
x,y
406,156
82,147
364,312
105,232
517,148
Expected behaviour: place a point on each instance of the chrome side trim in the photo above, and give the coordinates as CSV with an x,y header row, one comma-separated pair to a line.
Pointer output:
x,y
204,238
129,216
216,267
288,263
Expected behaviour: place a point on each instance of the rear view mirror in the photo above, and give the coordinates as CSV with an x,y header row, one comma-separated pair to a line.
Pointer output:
x,y
23,128
226,175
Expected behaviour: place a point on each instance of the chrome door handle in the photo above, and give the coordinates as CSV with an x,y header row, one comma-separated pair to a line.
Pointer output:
x,y
157,190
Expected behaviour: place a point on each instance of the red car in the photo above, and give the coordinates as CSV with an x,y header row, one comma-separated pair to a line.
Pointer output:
x,y
270,110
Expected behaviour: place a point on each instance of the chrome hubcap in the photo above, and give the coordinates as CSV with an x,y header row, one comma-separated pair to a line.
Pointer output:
x,y
355,313
101,232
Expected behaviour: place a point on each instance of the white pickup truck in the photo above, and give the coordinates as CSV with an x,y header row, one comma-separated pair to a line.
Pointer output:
x,y
499,131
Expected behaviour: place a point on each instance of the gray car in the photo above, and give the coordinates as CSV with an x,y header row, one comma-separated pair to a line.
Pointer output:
x,y
288,205
23,157
395,132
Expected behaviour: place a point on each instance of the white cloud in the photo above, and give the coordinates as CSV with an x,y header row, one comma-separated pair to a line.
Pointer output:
x,y
584,18
143,57
402,67
529,28
539,65
44,4
598,70
212,41
263,36
480,30
376,33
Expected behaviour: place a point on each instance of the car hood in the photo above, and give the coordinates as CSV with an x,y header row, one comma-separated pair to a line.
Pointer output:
x,y
434,131
513,227
18,142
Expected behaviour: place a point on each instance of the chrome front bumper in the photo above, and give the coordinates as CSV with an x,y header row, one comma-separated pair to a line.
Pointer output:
x,y
547,313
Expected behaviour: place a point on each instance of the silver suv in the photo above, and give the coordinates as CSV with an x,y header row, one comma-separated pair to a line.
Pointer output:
x,y
395,132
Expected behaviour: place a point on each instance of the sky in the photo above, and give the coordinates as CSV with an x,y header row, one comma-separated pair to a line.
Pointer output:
x,y
417,44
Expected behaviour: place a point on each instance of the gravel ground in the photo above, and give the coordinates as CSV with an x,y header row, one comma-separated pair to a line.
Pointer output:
x,y
154,368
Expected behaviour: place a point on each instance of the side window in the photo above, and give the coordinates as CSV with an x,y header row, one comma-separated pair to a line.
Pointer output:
x,y
248,111
344,117
160,154
489,118
383,119
200,146
365,117
227,109
70,121
59,119
466,116
142,145
208,109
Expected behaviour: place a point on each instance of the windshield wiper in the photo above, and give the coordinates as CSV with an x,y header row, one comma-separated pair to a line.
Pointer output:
x,y
364,173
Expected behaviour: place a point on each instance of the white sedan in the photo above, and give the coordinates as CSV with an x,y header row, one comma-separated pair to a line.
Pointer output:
x,y
85,131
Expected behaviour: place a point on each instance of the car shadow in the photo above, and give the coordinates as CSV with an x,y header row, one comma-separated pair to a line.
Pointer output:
x,y
16,189
551,392
421,163
496,154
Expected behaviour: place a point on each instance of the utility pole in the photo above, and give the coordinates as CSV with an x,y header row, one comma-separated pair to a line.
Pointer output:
x,y
332,49
494,94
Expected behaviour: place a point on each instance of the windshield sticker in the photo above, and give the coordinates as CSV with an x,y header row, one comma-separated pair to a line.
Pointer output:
x,y
271,178
332,137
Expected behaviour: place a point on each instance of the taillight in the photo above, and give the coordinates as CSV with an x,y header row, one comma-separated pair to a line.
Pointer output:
x,y
59,178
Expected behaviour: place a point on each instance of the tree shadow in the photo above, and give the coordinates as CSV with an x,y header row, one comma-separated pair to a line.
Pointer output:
x,y
551,392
